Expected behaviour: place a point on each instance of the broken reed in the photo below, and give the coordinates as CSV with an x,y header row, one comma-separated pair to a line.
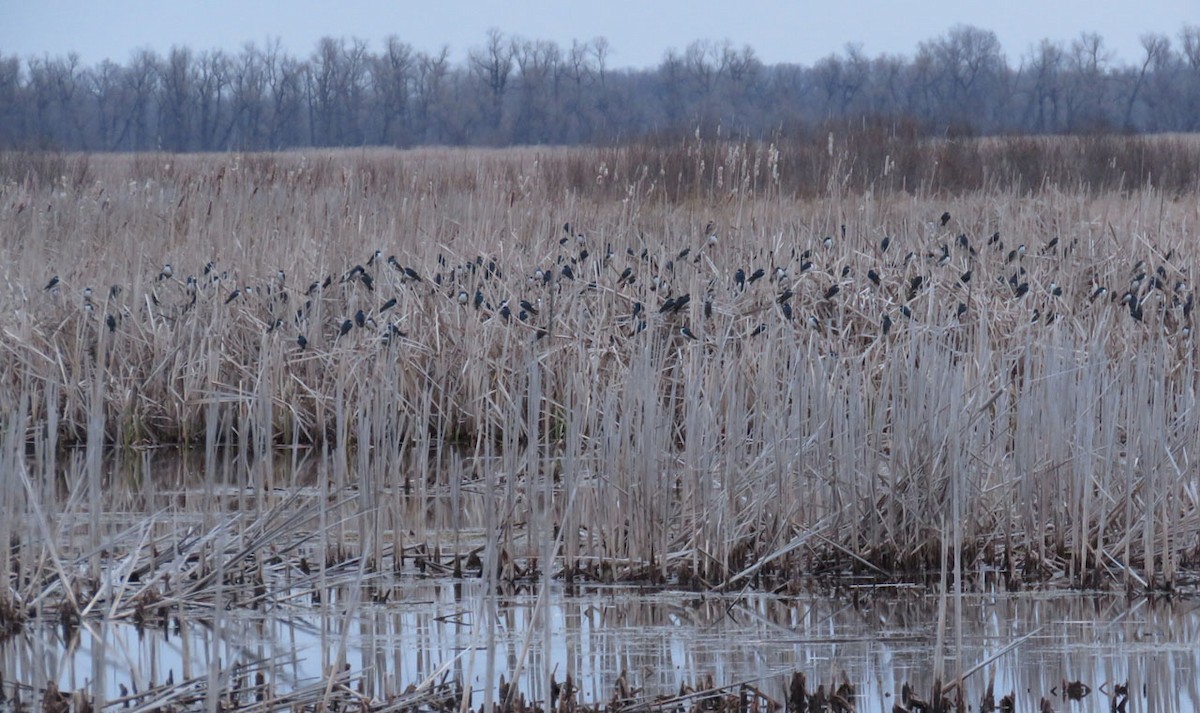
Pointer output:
x,y
1043,434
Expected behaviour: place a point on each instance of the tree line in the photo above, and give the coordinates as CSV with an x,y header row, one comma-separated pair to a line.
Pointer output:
x,y
511,90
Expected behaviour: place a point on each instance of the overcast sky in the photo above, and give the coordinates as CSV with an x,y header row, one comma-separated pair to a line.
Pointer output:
x,y
639,31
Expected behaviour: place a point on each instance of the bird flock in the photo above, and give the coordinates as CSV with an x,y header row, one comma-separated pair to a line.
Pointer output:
x,y
699,288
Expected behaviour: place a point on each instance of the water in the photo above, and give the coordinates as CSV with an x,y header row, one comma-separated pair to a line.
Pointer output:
x,y
661,640
295,610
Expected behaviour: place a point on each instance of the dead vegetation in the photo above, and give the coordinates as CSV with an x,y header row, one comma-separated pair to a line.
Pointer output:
x,y
723,386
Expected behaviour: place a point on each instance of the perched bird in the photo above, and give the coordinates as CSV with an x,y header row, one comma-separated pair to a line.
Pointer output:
x,y
111,322
233,296
687,333
463,297
873,277
525,305
883,244
388,305
832,292
52,283
945,218
345,328
887,324
360,318
167,272
302,342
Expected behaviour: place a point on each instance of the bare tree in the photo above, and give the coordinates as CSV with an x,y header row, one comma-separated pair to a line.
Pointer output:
x,y
1045,65
392,79
491,66
176,76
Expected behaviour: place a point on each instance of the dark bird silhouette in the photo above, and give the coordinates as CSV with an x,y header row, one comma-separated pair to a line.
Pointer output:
x,y
686,333
756,275
1021,290
345,329
873,277
762,327
233,296
412,274
945,218
914,284
302,342
525,305
111,322
387,305
832,292
739,278
883,244
966,277
887,324
360,318
52,283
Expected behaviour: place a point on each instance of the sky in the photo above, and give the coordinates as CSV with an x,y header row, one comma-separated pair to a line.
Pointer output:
x,y
639,31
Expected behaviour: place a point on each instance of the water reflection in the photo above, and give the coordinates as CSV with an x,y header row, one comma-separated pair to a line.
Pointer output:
x,y
661,640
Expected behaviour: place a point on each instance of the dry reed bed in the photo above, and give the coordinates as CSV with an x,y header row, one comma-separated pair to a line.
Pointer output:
x,y
998,422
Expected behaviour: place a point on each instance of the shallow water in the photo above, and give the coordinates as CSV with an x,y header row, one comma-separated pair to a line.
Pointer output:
x,y
879,638
388,630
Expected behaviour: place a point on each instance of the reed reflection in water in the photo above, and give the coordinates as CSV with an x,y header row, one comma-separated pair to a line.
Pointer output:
x,y
658,640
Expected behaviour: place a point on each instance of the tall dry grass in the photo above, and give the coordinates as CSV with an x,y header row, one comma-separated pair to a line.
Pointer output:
x,y
1009,423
